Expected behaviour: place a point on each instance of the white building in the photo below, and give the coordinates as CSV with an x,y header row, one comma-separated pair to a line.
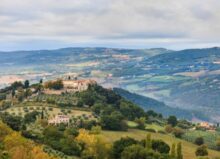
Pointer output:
x,y
77,85
59,119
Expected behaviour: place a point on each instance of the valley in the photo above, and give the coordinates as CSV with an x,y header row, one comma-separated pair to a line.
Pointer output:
x,y
187,80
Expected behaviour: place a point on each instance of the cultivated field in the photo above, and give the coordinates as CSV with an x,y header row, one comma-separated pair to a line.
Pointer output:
x,y
188,148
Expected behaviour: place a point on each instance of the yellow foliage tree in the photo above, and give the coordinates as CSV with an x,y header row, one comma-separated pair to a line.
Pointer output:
x,y
4,130
95,146
19,147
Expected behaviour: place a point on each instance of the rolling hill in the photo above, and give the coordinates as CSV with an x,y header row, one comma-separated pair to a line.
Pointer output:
x,y
186,80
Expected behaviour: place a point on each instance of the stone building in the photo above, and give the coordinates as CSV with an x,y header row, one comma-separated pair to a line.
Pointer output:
x,y
58,119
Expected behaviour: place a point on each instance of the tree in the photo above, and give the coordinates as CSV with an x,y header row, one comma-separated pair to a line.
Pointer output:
x,y
201,151
27,93
172,120
141,122
71,131
120,145
169,129
95,147
57,85
26,84
160,146
131,111
114,121
15,122
13,93
2,96
148,141
30,117
199,141
173,151
41,81
5,104
135,152
42,114
96,130
20,95
179,151
178,132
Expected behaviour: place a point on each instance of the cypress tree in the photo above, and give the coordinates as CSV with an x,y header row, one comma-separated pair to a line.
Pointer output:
x,y
173,151
179,151
148,141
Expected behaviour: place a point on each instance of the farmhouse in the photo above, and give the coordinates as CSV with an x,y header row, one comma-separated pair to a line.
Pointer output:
x,y
71,85
77,85
59,119
207,126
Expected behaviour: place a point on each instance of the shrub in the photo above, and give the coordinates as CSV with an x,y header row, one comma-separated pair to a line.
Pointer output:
x,y
201,151
168,129
140,122
172,120
57,85
50,109
136,152
96,129
160,146
178,132
30,117
199,141
120,145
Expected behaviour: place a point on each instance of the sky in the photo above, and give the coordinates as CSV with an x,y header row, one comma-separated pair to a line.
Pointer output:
x,y
50,24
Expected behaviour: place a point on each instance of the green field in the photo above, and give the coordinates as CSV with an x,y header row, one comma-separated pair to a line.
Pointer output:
x,y
210,138
167,78
156,127
188,148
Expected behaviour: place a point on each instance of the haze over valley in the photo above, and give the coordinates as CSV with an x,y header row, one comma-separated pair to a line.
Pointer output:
x,y
187,79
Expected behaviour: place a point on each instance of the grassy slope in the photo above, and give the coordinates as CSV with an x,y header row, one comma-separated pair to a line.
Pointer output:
x,y
188,148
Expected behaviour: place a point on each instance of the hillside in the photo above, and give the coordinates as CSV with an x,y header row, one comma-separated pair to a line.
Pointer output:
x,y
152,104
69,121
184,80
188,148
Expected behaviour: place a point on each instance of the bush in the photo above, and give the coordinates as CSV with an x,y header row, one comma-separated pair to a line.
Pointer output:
x,y
30,117
201,151
57,85
114,121
168,129
160,146
199,141
140,122
96,130
136,152
50,109
172,120
120,145
2,96
15,122
178,132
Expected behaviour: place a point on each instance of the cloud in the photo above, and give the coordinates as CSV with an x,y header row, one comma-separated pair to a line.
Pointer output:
x,y
113,23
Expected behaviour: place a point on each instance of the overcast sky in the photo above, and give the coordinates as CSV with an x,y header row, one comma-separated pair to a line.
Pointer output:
x,y
47,24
